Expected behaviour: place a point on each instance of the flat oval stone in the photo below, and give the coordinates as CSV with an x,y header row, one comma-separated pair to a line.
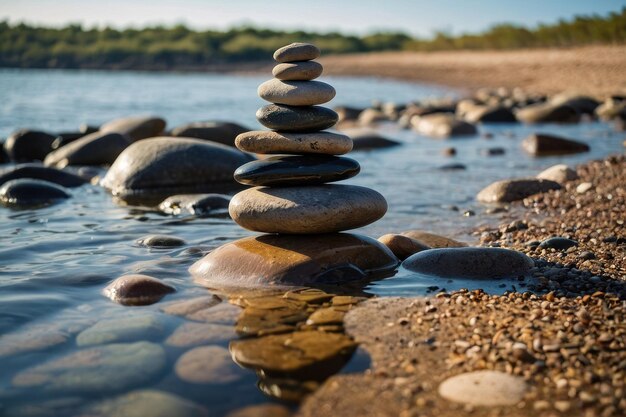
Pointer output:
x,y
469,263
484,388
296,119
137,289
288,260
296,93
402,246
302,210
160,241
25,192
296,51
268,142
207,365
298,71
297,170
94,149
136,128
540,144
39,172
506,191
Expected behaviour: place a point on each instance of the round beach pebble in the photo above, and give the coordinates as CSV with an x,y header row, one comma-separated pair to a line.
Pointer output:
x,y
473,263
287,260
160,241
483,388
207,365
314,209
296,93
296,119
137,289
25,192
296,51
298,71
402,246
295,170
268,142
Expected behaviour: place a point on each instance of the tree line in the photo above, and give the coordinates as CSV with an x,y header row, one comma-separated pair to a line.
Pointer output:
x,y
178,47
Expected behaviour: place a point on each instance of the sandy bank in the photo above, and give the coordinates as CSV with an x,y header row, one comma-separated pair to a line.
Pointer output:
x,y
595,70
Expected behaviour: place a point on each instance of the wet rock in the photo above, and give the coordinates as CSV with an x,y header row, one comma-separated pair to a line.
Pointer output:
x,y
293,260
220,132
32,338
29,193
310,354
193,334
452,167
326,316
151,170
136,128
559,243
143,403
65,138
582,104
366,139
204,309
548,113
190,306
40,172
312,209
268,142
295,118
28,145
433,240
207,365
402,246
261,410
160,241
298,71
542,145
123,329
442,125
296,93
484,388
94,149
102,369
513,190
198,204
469,263
560,173
490,114
296,170
296,51
137,289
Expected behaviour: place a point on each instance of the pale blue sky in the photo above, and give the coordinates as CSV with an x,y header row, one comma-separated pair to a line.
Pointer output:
x,y
417,17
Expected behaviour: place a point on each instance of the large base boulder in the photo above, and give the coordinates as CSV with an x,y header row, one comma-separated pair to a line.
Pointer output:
x,y
284,260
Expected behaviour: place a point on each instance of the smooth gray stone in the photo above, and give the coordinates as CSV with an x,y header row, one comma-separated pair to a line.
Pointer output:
x,y
296,170
27,193
150,170
475,263
131,328
296,93
27,145
295,118
39,172
220,132
506,191
136,128
298,71
294,143
296,51
160,241
94,149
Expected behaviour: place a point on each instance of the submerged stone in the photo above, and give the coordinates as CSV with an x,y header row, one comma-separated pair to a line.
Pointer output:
x,y
470,263
285,260
198,204
137,289
296,170
296,119
144,403
39,172
28,193
160,241
207,365
123,329
193,334
102,369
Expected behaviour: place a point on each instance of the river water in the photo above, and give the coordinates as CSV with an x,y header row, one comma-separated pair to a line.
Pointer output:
x,y
55,261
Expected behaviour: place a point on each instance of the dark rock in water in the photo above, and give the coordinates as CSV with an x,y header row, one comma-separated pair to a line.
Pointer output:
x,y
442,125
197,204
26,193
296,118
582,104
137,290
559,243
94,149
4,156
297,170
40,172
148,171
433,240
136,128
402,246
493,151
548,113
86,129
367,139
470,263
539,144
220,132
448,151
66,138
452,167
28,145
490,114
346,113
288,260
160,241
513,190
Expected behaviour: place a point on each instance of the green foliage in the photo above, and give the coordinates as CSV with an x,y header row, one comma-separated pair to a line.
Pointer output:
x,y
161,47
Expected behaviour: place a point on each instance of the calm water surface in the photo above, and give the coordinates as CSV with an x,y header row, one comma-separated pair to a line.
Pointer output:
x,y
55,261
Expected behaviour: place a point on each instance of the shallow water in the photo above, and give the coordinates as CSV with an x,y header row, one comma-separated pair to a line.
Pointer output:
x,y
55,261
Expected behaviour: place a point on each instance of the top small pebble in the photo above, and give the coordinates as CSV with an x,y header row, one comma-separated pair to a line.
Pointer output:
x,y
296,52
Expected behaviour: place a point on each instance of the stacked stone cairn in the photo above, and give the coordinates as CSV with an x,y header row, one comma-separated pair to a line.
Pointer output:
x,y
291,198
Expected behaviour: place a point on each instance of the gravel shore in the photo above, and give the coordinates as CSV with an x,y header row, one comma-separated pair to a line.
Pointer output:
x,y
566,339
